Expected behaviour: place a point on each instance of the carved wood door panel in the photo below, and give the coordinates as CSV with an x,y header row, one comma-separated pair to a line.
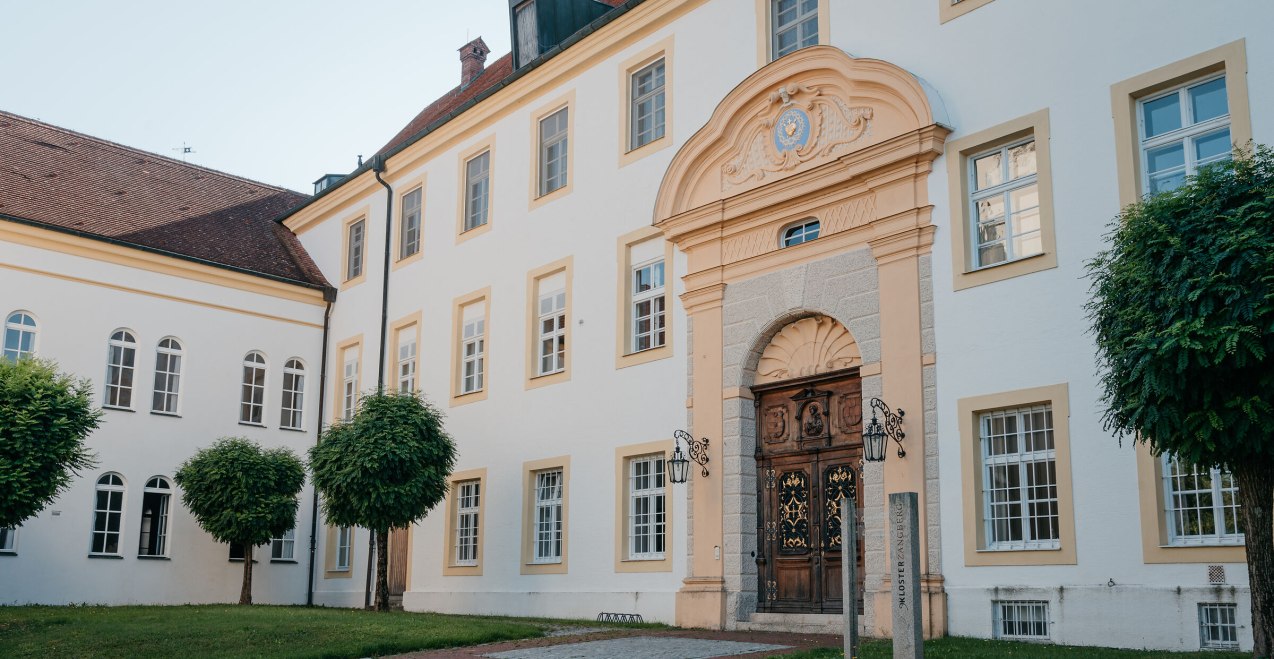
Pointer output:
x,y
809,455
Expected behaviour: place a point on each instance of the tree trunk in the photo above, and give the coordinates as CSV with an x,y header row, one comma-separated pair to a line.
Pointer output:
x,y
245,593
382,571
1256,494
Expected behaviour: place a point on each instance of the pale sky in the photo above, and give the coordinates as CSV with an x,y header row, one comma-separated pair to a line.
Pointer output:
x,y
281,91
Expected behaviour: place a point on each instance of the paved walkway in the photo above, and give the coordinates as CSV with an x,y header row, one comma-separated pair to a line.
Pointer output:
x,y
589,643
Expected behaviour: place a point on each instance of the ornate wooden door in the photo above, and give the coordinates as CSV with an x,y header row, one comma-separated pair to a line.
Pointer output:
x,y
809,454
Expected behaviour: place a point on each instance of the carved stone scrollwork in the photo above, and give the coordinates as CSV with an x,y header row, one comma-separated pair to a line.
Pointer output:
x,y
806,125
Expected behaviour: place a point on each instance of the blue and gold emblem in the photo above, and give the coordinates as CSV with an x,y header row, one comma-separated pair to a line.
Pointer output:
x,y
792,130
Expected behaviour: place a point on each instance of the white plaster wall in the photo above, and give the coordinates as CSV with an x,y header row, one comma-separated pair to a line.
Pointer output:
x,y
75,321
601,407
997,63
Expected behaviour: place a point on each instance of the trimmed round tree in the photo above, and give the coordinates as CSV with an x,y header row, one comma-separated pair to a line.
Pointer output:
x,y
242,494
384,469
45,417
1183,312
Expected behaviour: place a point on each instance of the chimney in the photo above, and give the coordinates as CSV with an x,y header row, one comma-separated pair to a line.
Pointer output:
x,y
473,57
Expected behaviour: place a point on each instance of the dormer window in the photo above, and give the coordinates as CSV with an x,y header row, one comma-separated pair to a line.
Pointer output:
x,y
802,232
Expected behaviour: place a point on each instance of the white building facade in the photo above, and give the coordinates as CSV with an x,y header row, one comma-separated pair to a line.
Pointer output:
x,y
747,220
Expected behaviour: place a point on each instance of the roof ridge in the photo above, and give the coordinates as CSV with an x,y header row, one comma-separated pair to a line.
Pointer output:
x,y
125,147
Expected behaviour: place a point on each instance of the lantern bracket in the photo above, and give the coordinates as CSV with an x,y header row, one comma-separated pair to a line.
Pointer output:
x,y
892,423
697,449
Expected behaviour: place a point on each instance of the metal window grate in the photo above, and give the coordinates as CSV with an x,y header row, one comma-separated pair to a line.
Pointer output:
x,y
1218,628
1021,620
1216,574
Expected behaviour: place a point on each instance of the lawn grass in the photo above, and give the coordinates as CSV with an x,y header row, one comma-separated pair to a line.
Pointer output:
x,y
976,648
234,631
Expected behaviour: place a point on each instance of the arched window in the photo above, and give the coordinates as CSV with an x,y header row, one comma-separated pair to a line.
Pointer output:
x,y
121,356
108,513
167,376
154,533
293,394
803,232
19,336
252,397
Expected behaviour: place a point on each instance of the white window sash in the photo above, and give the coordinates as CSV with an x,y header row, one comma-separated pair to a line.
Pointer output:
x,y
657,317
1186,134
1224,533
1021,461
468,499
552,342
548,517
647,105
647,511
477,190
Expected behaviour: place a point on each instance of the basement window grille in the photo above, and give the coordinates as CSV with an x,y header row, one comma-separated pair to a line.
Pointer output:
x,y
1218,628
1021,620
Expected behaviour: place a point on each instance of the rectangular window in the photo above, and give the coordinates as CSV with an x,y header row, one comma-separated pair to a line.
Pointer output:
x,y
1218,628
646,508
646,115
1019,479
283,548
349,385
8,541
344,548
1182,130
121,357
648,306
409,228
1005,204
793,24
477,177
1201,505
406,363
548,517
552,329
354,250
1021,620
468,500
553,151
235,552
473,349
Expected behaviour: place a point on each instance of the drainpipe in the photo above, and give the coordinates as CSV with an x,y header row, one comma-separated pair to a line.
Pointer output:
x,y
329,296
378,167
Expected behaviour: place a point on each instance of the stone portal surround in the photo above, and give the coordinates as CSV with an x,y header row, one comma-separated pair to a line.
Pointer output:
x,y
843,287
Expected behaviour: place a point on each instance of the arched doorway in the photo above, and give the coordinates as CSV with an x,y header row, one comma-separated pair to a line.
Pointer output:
x,y
808,397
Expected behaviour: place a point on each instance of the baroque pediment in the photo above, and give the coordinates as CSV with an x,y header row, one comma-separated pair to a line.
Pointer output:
x,y
803,111
799,124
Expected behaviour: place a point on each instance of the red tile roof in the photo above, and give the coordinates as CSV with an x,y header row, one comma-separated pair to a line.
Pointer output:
x,y
447,103
62,179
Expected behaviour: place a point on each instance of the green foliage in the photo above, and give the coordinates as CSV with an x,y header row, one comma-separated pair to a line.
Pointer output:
x,y
240,493
385,468
230,632
45,417
1183,312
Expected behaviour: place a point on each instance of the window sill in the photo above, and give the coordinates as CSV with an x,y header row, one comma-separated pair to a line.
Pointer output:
x,y
283,560
118,408
1001,550
254,425
469,397
107,556
145,557
984,268
644,559
240,560
1205,545
290,429
474,564
8,552
168,414
553,562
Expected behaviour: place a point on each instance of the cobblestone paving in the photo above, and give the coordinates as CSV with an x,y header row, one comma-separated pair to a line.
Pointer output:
x,y
641,647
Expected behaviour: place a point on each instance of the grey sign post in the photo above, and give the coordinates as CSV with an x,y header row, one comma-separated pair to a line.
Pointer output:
x,y
848,575
904,561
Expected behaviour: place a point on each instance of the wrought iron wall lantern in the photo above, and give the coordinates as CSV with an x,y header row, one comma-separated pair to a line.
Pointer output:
x,y
875,433
679,465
